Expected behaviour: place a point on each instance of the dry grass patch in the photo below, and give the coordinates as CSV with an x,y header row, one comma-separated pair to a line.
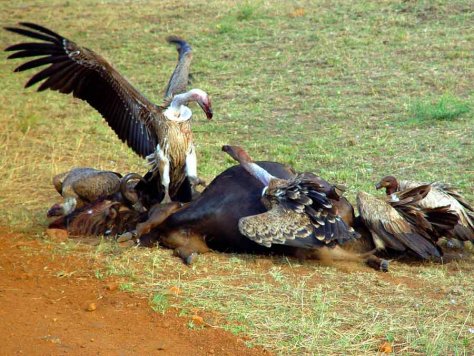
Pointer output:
x,y
329,87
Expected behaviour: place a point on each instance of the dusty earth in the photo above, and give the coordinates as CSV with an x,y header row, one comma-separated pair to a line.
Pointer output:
x,y
52,304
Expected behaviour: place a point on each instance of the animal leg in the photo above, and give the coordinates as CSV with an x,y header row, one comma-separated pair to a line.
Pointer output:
x,y
186,244
157,215
379,264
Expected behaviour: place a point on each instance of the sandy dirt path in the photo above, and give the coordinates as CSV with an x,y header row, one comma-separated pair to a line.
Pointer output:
x,y
44,299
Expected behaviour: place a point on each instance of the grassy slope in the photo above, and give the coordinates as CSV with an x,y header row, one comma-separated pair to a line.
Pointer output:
x,y
342,90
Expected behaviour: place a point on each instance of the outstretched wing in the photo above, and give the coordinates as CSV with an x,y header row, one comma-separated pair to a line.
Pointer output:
x,y
390,229
180,78
287,227
88,76
279,226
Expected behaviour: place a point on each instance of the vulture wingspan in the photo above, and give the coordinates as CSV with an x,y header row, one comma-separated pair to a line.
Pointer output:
x,y
390,229
180,78
88,76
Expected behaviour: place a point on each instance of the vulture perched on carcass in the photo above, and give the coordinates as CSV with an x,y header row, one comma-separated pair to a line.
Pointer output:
x,y
399,224
160,132
299,211
440,195
84,185
80,186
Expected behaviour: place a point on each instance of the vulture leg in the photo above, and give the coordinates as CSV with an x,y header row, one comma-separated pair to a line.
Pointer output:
x,y
191,170
164,170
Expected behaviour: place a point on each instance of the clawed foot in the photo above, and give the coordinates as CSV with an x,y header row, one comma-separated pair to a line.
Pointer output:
x,y
195,181
384,265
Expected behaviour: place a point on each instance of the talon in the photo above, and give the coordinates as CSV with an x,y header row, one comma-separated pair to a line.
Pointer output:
x,y
195,181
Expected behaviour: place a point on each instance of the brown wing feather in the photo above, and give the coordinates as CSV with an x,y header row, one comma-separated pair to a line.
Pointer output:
x,y
276,226
98,185
85,74
390,229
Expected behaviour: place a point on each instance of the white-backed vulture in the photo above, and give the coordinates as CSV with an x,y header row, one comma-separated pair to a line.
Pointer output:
x,y
161,132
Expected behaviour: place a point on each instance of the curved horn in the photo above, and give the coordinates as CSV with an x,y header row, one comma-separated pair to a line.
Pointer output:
x,y
130,196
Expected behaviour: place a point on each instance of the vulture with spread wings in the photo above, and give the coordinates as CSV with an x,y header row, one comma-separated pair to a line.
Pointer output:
x,y
440,195
299,210
160,132
399,224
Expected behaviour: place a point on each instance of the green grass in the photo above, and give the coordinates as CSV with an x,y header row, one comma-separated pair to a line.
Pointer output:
x,y
446,107
350,90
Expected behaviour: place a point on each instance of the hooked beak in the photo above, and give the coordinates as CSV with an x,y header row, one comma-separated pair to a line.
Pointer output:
x,y
206,107
55,210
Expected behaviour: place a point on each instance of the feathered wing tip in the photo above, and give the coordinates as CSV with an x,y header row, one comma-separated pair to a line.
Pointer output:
x,y
442,220
179,80
71,69
182,46
452,191
40,33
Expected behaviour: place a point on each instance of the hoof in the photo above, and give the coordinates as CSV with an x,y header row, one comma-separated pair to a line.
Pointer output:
x,y
128,236
128,244
191,258
384,265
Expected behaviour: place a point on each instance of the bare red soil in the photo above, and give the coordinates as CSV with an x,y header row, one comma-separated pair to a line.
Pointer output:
x,y
44,302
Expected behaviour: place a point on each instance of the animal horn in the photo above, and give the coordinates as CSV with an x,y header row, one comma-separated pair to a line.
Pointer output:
x,y
130,195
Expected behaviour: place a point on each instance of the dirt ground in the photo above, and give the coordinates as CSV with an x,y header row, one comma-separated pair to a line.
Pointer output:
x,y
44,302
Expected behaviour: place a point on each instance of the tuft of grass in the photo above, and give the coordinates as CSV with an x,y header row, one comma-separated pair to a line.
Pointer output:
x,y
246,11
126,287
447,107
159,303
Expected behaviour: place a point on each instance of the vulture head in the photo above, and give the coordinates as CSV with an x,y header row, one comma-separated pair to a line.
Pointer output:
x,y
62,209
178,110
203,100
389,183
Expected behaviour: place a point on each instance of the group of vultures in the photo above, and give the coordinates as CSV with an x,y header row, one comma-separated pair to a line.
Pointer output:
x,y
252,207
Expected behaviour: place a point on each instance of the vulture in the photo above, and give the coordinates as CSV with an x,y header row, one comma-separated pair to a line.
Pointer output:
x,y
162,133
299,211
440,195
399,224
81,186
